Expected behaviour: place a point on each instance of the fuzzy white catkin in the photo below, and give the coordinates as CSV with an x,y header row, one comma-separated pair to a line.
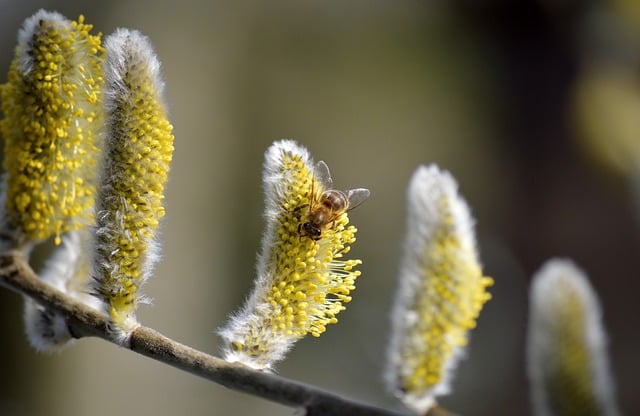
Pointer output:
x,y
68,271
566,347
441,291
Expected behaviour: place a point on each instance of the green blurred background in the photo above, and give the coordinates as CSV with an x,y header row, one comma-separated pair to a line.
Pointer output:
x,y
534,106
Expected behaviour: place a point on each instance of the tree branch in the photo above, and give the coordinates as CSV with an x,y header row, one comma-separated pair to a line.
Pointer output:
x,y
83,321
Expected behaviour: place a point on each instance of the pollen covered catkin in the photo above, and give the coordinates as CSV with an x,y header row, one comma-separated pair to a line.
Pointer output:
x,y
139,148
52,115
52,118
303,282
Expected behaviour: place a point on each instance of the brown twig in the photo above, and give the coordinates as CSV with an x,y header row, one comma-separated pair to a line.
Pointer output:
x,y
83,321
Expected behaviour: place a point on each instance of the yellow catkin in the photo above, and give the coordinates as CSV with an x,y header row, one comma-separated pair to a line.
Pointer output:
x,y
51,106
453,294
441,291
139,148
302,283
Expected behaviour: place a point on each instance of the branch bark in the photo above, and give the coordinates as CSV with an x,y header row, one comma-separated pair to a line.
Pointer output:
x,y
17,275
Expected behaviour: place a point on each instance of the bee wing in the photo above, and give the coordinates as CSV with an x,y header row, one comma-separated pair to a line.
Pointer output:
x,y
323,176
357,196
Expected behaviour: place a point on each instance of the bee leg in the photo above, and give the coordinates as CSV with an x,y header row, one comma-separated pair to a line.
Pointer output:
x,y
298,208
301,231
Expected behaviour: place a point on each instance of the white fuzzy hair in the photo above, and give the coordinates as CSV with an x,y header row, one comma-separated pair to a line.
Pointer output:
x,y
67,271
29,29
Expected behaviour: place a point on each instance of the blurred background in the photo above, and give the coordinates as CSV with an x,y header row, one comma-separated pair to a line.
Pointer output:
x,y
533,105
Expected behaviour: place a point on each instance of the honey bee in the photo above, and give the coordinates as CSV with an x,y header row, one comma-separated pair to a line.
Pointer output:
x,y
327,206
